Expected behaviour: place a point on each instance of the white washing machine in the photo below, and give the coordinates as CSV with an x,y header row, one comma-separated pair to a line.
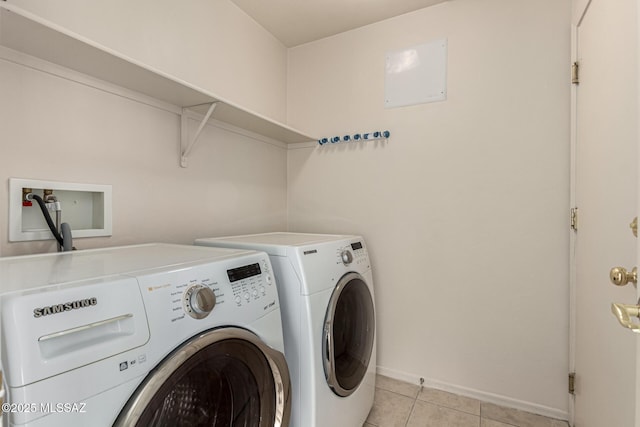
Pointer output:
x,y
328,315
146,335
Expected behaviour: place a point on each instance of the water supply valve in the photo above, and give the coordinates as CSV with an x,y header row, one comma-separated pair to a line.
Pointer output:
x,y
25,199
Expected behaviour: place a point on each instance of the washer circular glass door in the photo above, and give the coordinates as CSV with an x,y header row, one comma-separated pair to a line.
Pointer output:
x,y
348,335
223,377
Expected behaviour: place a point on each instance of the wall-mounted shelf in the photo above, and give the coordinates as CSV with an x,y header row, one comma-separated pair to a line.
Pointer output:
x,y
30,34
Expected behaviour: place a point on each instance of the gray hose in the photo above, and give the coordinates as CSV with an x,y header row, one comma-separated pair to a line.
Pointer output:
x,y
67,240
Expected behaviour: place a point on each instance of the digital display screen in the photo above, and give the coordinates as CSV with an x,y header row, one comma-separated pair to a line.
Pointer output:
x,y
243,272
356,246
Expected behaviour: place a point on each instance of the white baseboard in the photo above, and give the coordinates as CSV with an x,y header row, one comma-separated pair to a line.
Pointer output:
x,y
476,394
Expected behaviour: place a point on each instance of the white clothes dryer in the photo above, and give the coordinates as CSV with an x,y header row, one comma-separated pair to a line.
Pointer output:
x,y
146,335
328,315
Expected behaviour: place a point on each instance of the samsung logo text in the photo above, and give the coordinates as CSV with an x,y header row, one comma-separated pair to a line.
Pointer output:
x,y
67,306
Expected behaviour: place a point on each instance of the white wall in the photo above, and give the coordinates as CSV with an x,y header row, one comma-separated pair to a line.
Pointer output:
x,y
465,209
53,127
210,44
578,8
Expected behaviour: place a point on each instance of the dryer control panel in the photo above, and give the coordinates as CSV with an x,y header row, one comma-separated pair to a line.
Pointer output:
x,y
354,252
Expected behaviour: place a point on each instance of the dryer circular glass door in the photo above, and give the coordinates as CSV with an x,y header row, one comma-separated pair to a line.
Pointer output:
x,y
223,377
348,335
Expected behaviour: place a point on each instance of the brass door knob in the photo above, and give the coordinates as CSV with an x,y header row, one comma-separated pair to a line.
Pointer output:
x,y
624,313
620,276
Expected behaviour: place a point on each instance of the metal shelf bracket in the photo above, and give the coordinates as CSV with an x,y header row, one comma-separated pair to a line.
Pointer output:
x,y
185,145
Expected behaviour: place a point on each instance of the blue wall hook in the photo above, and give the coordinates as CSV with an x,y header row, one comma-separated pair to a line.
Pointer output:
x,y
368,136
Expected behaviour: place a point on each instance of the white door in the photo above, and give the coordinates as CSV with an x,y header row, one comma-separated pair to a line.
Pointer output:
x,y
605,192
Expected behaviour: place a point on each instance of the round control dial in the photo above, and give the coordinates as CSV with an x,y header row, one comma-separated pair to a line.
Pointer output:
x,y
198,301
347,257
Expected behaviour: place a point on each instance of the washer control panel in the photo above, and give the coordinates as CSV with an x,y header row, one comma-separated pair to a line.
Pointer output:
x,y
198,301
226,290
249,283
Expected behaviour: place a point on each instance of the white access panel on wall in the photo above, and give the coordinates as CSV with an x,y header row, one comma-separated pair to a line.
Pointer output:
x,y
416,75
86,207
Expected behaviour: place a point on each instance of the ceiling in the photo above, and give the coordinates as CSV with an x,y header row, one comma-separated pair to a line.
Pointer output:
x,y
295,22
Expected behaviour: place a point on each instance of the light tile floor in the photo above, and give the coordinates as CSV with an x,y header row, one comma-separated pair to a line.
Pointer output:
x,y
401,404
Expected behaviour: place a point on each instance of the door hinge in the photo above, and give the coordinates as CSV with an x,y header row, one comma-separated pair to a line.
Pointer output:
x,y
575,73
574,219
572,383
